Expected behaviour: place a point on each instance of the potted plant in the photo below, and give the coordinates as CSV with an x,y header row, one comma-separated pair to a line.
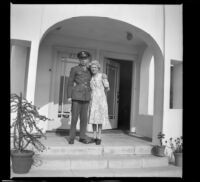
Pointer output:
x,y
177,148
24,133
159,149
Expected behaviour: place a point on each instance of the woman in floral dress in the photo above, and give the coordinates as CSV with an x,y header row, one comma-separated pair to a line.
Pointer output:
x,y
98,115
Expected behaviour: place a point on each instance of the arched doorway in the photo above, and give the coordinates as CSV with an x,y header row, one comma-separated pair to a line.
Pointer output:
x,y
104,38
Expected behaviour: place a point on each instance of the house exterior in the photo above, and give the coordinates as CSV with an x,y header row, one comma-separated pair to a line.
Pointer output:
x,y
138,45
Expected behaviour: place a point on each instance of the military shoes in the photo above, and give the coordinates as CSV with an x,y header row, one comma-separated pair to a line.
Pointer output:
x,y
82,140
98,141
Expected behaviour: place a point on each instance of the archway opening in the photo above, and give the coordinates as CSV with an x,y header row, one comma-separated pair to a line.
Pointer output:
x,y
98,34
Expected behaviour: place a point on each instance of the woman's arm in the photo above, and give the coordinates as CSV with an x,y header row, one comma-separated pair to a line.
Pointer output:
x,y
105,82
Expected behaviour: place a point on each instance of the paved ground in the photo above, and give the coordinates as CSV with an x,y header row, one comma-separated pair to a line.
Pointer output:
x,y
169,171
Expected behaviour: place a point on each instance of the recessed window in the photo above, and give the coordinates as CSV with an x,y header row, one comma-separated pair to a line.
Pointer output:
x,y
151,87
176,90
19,67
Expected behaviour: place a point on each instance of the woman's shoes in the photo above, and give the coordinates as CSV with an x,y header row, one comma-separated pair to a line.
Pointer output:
x,y
71,141
98,141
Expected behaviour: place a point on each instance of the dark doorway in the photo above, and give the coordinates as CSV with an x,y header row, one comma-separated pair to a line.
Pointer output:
x,y
125,89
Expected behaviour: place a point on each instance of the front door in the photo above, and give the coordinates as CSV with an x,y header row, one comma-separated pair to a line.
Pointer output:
x,y
112,69
60,108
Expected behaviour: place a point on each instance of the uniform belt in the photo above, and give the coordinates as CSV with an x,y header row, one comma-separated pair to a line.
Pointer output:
x,y
83,84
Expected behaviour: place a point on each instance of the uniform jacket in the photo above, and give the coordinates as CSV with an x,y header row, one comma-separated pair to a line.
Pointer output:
x,y
78,87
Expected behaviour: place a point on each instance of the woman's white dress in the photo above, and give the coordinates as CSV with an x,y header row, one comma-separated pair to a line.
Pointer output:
x,y
98,110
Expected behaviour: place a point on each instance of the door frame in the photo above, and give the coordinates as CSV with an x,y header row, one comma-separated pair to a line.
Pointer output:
x,y
117,83
123,56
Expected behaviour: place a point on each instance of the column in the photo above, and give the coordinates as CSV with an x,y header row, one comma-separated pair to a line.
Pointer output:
x,y
135,95
158,97
32,71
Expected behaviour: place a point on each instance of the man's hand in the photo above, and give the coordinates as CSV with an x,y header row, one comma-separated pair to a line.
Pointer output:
x,y
69,99
107,89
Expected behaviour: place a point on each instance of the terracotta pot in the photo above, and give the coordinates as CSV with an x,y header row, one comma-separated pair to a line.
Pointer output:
x,y
21,161
159,151
178,159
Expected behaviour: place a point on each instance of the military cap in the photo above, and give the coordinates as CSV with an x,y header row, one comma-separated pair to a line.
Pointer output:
x,y
83,55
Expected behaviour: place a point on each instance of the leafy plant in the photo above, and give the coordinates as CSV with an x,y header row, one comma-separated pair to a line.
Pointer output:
x,y
24,123
161,136
176,145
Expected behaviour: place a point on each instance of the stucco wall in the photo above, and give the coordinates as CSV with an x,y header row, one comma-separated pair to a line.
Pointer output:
x,y
144,81
173,123
35,20
172,118
26,21
29,22
144,121
43,76
144,125
174,32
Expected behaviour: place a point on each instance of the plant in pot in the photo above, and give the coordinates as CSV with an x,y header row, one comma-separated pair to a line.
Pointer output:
x,y
158,150
25,134
177,148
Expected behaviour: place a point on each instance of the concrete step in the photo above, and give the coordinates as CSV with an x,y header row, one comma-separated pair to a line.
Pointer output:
x,y
83,162
165,171
97,150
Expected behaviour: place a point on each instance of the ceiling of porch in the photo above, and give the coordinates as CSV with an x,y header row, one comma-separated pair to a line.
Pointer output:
x,y
96,28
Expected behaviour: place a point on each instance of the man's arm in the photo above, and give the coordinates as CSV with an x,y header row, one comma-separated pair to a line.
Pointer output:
x,y
70,84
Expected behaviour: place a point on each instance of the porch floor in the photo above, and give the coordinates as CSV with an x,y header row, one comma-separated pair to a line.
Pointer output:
x,y
109,138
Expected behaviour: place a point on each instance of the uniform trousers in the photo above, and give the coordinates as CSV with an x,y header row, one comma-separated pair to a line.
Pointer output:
x,y
79,108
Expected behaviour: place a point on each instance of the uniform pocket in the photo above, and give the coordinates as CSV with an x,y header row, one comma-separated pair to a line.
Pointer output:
x,y
78,88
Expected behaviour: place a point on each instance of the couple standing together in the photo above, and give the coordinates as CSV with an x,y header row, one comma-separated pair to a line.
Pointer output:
x,y
87,88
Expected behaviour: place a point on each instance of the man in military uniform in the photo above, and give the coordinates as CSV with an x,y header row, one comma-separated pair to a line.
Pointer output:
x,y
79,92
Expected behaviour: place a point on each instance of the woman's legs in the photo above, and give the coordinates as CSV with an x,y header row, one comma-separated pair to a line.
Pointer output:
x,y
94,126
99,131
98,140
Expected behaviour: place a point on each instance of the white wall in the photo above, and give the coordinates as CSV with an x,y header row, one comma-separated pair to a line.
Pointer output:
x,y
43,80
144,125
26,21
29,22
144,122
174,32
173,127
172,118
147,17
144,81
43,76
